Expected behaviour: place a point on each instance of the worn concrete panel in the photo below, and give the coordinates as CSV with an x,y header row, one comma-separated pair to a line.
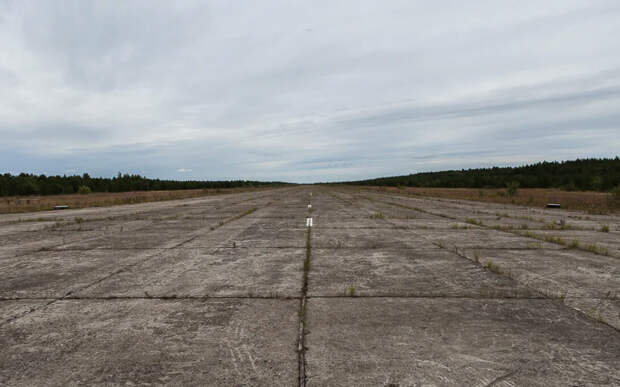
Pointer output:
x,y
414,342
10,309
405,272
140,342
257,237
565,273
53,274
479,238
229,272
369,238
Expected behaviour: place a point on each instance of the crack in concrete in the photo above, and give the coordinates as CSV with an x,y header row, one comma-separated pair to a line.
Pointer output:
x,y
501,378
259,297
301,344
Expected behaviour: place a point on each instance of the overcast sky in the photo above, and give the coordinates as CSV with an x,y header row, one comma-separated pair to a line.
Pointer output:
x,y
305,91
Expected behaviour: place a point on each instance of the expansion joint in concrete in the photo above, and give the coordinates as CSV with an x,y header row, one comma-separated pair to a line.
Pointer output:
x,y
301,341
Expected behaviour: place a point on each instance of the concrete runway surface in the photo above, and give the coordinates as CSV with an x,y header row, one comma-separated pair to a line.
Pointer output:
x,y
385,290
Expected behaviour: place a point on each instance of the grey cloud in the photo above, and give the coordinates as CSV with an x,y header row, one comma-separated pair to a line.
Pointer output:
x,y
305,91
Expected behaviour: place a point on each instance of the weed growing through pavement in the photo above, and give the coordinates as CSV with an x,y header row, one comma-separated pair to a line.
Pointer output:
x,y
555,239
337,243
350,291
592,247
307,261
457,226
474,221
495,268
604,228
574,244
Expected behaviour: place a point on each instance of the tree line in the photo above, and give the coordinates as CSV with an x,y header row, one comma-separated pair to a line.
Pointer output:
x,y
581,174
30,184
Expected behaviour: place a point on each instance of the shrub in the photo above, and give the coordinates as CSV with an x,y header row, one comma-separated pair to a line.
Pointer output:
x,y
84,189
511,188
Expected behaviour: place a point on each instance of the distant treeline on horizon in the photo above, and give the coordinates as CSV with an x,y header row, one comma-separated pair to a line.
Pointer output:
x,y
581,174
30,184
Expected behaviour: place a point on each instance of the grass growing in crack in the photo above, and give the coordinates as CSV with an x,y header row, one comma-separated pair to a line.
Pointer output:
x,y
561,225
476,257
34,220
595,314
592,247
473,221
223,222
377,215
504,227
534,245
301,345
337,243
574,244
457,226
604,228
350,291
495,268
555,239
307,260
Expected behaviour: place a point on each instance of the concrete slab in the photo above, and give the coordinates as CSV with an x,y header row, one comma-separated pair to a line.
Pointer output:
x,y
53,274
141,342
416,342
430,224
227,272
405,273
257,237
559,273
479,238
607,240
140,239
10,309
368,238
337,223
599,309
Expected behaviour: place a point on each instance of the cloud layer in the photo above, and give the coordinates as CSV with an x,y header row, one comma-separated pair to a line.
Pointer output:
x,y
304,91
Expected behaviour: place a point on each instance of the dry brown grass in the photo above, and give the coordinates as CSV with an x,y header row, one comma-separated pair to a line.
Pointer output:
x,y
590,202
15,204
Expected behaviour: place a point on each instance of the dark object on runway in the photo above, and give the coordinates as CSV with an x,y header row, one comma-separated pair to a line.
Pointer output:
x,y
553,205
62,207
